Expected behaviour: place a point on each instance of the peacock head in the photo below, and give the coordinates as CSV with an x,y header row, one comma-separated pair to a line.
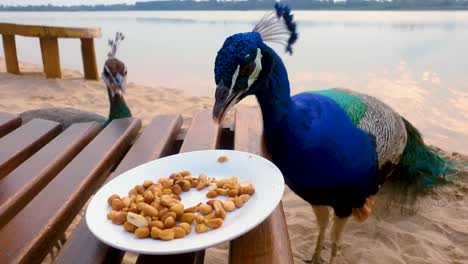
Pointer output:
x,y
245,61
114,73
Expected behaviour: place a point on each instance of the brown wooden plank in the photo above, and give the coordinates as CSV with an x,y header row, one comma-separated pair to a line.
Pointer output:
x,y
48,31
268,242
22,184
22,143
8,123
11,57
88,54
156,140
203,134
50,57
30,234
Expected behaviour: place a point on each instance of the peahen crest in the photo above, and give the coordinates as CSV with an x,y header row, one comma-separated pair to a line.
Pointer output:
x,y
114,44
278,27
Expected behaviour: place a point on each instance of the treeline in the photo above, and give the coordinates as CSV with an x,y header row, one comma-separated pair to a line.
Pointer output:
x,y
257,5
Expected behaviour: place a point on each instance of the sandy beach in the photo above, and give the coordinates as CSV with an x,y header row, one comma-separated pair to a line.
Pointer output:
x,y
437,233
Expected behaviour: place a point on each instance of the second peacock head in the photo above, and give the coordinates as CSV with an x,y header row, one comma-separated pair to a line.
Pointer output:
x,y
114,73
243,62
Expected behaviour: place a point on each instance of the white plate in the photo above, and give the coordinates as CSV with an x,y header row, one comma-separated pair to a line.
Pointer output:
x,y
264,175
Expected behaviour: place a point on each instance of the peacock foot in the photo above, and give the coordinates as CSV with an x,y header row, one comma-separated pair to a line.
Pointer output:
x,y
361,214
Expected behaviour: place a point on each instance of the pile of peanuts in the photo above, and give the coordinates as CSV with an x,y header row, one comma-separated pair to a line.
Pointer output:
x,y
154,209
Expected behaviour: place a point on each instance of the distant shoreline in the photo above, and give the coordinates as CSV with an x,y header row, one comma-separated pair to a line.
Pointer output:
x,y
252,5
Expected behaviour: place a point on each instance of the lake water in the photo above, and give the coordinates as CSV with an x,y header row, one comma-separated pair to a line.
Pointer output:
x,y
415,61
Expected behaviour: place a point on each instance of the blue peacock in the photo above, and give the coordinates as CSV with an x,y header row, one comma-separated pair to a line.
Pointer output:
x,y
114,76
335,148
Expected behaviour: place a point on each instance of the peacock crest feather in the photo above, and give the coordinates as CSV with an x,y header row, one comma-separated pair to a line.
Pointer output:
x,y
114,44
278,27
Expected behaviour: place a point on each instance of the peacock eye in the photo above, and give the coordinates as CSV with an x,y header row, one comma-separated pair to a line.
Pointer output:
x,y
247,69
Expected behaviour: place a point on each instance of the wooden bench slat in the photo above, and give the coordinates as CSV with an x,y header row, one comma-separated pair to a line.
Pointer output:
x,y
8,123
268,242
23,183
156,140
22,143
203,134
30,234
48,31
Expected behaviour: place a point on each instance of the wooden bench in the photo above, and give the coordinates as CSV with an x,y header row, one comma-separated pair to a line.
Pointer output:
x,y
48,38
41,196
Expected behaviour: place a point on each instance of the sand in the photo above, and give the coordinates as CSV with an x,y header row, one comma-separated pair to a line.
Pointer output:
x,y
437,233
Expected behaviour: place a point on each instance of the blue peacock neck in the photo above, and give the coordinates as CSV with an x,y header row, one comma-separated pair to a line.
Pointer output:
x,y
273,93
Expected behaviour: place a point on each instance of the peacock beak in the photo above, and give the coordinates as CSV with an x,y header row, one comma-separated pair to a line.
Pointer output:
x,y
117,84
225,99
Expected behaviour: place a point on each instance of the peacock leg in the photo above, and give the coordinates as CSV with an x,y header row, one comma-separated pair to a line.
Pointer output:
x,y
323,215
337,235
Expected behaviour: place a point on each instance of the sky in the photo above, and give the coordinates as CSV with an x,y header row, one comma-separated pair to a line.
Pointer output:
x,y
64,2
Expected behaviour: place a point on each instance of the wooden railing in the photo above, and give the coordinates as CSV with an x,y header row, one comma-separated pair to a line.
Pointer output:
x,y
48,37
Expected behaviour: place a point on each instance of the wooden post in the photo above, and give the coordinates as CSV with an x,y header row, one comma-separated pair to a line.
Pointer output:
x,y
89,59
50,57
11,58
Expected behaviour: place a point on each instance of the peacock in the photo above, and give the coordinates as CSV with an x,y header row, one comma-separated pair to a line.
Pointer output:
x,y
336,147
114,75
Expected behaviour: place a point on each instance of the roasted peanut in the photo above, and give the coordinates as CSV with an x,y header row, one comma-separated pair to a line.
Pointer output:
x,y
212,194
167,234
168,214
129,227
139,199
238,202
187,218
132,192
126,202
245,197
140,189
205,209
214,223
201,185
221,191
177,208
155,232
211,215
176,189
199,219
112,197
136,219
163,211
184,173
222,159
157,224
195,183
220,212
147,209
111,214
179,232
248,190
229,206
186,227
142,232
186,185
117,204
147,183
201,228
148,196
233,192
169,222
119,218
192,209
